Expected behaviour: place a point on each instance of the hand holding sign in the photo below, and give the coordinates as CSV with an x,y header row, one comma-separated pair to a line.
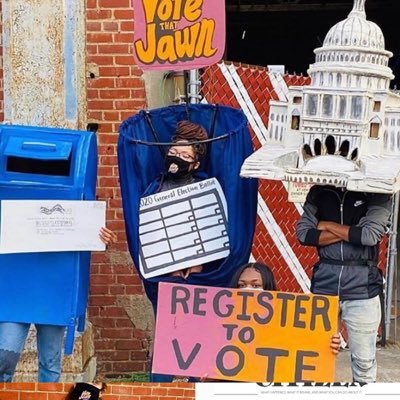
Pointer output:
x,y
250,335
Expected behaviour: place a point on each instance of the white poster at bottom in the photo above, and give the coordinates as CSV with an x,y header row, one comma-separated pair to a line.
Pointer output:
x,y
297,391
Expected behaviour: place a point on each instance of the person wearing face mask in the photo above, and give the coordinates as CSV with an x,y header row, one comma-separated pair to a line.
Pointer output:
x,y
181,167
258,276
183,158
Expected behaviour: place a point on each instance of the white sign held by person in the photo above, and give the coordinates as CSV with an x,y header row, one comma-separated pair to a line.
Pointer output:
x,y
32,226
182,228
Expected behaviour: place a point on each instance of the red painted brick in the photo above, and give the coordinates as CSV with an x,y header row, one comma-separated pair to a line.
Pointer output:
x,y
56,396
114,312
99,37
189,393
33,396
104,345
124,14
99,289
97,300
127,26
115,94
21,386
102,280
133,290
128,344
124,60
129,83
128,104
115,48
92,50
9,395
92,93
94,115
129,366
117,333
108,160
159,391
100,104
91,3
113,355
114,3
117,290
138,355
175,392
122,390
100,59
123,323
123,37
114,71
112,26
97,14
93,26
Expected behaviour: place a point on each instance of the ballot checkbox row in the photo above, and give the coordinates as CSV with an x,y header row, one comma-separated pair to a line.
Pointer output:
x,y
181,221
181,242
188,235
187,205
166,214
188,252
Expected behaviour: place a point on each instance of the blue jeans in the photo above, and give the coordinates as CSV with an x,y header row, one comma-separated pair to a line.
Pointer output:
x,y
362,318
49,345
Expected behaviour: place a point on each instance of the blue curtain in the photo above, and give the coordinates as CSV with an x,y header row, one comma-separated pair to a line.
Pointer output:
x,y
141,165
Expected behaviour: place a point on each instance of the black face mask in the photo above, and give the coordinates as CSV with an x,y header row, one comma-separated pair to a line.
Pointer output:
x,y
177,168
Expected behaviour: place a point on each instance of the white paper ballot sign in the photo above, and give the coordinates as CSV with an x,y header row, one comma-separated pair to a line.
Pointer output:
x,y
183,227
297,391
31,226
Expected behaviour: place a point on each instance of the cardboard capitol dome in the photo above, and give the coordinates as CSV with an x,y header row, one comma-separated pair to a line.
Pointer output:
x,y
344,128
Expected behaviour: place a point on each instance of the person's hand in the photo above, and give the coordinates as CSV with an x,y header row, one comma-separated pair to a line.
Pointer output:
x,y
335,343
107,236
191,270
178,273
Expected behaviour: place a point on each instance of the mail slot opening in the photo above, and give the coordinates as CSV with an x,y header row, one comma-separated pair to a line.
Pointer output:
x,y
36,166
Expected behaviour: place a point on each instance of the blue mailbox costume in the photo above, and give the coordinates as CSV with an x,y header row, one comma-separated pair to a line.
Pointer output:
x,y
142,146
46,164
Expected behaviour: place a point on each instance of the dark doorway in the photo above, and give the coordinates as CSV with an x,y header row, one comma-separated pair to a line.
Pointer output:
x,y
268,32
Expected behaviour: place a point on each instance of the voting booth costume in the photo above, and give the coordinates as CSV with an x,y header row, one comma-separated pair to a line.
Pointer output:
x,y
38,163
143,143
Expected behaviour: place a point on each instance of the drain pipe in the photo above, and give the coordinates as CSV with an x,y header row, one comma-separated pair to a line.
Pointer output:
x,y
392,263
194,86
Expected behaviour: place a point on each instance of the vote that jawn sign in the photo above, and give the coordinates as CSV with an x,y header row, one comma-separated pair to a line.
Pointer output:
x,y
178,34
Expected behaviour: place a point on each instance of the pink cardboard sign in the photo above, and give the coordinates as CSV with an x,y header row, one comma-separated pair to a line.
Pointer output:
x,y
178,34
244,335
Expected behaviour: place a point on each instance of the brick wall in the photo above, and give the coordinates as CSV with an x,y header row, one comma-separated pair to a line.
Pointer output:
x,y
135,391
115,90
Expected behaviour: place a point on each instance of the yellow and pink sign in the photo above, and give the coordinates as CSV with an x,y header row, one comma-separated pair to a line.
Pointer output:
x,y
244,335
178,34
